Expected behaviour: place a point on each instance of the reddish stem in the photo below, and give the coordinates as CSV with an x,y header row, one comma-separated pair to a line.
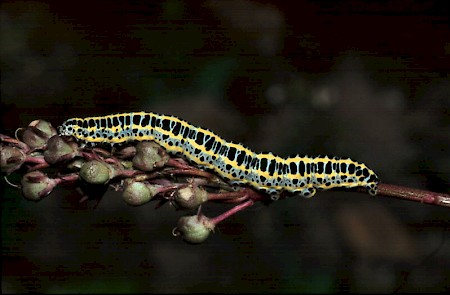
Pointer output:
x,y
165,189
226,196
40,161
129,173
190,171
39,167
68,178
179,163
412,194
36,160
90,155
230,212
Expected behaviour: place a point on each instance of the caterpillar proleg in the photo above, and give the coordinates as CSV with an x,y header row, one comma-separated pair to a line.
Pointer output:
x,y
234,162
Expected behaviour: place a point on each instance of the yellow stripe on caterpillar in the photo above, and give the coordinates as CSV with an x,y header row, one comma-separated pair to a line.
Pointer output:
x,y
234,162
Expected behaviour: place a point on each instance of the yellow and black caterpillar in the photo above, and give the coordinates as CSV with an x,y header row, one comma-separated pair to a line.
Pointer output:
x,y
233,161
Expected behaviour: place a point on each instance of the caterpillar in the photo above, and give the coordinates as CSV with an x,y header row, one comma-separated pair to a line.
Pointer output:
x,y
300,175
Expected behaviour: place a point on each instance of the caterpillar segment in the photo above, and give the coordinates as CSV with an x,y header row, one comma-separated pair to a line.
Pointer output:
x,y
300,175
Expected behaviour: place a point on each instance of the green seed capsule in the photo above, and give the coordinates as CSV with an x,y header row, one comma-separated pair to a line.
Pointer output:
x,y
149,155
36,185
190,197
11,158
37,133
194,229
59,150
138,193
96,172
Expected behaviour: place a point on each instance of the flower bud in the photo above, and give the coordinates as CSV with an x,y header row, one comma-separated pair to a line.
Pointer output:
x,y
11,158
194,229
149,155
138,193
59,150
36,185
190,197
37,133
96,172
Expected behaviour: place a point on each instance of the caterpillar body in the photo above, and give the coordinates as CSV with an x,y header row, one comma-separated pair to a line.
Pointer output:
x,y
234,162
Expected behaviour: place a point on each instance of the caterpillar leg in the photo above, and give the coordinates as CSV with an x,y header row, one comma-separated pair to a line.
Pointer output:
x,y
372,189
274,197
306,192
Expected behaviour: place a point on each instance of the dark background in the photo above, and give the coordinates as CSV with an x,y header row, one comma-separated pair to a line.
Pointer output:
x,y
347,78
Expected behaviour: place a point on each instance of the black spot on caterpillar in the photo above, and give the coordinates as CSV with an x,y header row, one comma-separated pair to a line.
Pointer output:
x,y
234,162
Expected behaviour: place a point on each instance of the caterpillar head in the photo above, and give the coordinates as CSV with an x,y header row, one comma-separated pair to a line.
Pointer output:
x,y
68,128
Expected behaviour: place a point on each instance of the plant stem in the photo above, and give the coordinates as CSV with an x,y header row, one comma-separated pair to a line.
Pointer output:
x,y
232,211
413,194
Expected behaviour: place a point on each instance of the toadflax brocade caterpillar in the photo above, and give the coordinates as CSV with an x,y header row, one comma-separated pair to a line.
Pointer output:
x,y
234,162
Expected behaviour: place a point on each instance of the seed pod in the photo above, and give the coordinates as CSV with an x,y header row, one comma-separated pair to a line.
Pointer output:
x,y
194,229
149,155
190,197
138,193
97,172
11,158
38,133
36,185
59,150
